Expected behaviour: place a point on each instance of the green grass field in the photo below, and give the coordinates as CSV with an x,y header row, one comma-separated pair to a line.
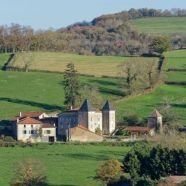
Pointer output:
x,y
36,91
65,164
176,60
91,65
3,59
161,25
143,105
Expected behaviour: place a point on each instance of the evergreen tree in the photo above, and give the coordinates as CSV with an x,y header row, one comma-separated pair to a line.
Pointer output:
x,y
71,85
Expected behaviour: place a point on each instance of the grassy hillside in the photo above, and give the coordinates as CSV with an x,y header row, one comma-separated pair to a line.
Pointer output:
x,y
143,105
65,164
3,59
163,25
92,65
176,60
34,91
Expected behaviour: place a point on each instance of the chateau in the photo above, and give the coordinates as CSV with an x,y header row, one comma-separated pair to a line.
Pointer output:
x,y
89,118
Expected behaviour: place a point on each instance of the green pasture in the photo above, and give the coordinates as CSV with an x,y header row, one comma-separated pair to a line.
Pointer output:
x,y
89,65
36,91
161,25
65,164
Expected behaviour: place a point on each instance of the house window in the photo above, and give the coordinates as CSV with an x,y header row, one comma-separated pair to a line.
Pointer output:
x,y
48,131
32,131
31,126
24,132
24,126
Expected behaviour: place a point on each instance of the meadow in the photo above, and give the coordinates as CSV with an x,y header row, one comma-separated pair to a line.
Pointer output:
x,y
143,104
175,60
3,59
39,91
65,164
161,25
89,65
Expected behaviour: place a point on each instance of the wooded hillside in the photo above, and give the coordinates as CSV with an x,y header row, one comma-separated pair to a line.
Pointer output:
x,y
105,35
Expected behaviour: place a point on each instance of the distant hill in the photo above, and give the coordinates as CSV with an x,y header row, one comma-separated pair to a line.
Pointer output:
x,y
112,34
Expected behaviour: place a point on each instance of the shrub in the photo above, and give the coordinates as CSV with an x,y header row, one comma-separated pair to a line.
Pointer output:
x,y
121,132
29,172
155,162
98,131
110,170
131,119
9,139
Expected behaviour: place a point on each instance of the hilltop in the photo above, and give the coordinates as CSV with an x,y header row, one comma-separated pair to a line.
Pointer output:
x,y
160,25
121,34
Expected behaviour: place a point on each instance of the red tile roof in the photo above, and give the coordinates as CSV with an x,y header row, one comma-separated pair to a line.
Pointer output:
x,y
29,121
137,129
48,126
27,114
176,179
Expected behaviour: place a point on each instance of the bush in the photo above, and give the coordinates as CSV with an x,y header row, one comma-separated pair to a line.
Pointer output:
x,y
121,132
9,139
29,172
146,181
109,171
131,119
144,161
98,131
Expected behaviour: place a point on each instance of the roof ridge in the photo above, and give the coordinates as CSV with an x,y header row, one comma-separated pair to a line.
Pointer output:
x,y
107,106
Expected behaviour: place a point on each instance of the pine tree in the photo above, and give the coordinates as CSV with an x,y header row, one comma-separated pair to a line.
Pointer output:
x,y
71,85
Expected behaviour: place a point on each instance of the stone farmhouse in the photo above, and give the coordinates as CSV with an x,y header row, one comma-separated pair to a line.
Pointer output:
x,y
85,124
89,119
155,123
29,127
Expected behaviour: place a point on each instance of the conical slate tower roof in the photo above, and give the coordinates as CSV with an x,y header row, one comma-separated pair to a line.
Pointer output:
x,y
108,106
155,114
86,106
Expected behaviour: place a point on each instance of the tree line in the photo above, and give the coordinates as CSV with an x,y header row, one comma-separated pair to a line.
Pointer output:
x,y
105,35
90,40
144,165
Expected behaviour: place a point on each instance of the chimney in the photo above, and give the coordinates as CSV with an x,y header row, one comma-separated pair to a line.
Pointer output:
x,y
20,114
71,107
17,120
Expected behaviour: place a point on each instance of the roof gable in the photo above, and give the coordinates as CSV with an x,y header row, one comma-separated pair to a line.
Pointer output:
x,y
108,106
29,121
155,114
86,106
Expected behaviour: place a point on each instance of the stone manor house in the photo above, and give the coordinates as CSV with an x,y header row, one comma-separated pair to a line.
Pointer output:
x,y
85,124
74,125
88,118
